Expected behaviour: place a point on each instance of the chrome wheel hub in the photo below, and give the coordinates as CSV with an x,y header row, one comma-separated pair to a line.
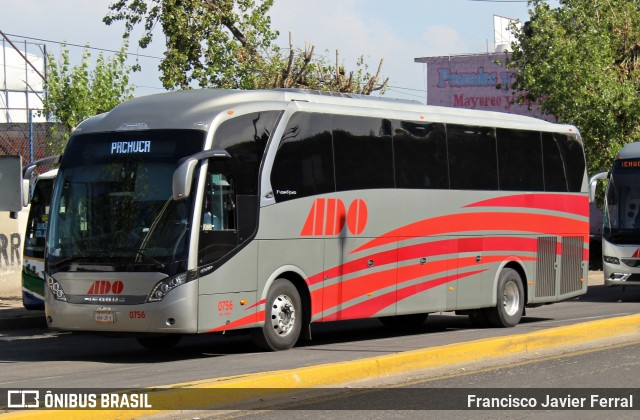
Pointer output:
x,y
511,298
283,315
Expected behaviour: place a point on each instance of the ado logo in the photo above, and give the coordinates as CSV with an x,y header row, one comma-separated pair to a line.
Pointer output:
x,y
329,215
104,287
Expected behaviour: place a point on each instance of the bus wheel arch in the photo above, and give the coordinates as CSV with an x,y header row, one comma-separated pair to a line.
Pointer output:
x,y
510,295
287,313
298,281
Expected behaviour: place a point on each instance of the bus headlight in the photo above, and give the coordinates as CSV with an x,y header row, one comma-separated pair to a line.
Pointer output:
x,y
56,289
611,260
163,287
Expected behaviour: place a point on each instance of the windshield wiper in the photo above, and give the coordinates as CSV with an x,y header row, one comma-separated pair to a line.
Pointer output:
x,y
139,251
65,260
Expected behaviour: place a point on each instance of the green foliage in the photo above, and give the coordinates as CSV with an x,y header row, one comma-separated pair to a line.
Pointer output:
x,y
230,44
76,93
581,62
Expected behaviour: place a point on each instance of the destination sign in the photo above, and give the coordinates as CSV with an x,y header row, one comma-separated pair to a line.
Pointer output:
x,y
135,146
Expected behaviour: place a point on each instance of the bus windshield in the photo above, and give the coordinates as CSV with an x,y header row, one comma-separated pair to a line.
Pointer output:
x,y
622,216
113,203
38,218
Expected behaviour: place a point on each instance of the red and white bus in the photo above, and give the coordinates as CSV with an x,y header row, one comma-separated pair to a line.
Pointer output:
x,y
211,210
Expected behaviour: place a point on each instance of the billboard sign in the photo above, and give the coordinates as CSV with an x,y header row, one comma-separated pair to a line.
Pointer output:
x,y
479,81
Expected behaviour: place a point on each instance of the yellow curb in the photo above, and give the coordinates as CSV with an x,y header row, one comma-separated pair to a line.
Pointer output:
x,y
257,385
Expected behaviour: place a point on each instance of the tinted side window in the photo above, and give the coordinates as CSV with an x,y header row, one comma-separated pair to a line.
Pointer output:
x,y
363,153
303,165
472,157
564,165
555,178
574,158
245,138
420,153
519,160
34,241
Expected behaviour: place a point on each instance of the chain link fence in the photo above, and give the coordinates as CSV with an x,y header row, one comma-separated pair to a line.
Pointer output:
x,y
31,140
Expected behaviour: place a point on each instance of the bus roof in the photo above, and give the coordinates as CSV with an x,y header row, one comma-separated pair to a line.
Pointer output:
x,y
629,151
194,109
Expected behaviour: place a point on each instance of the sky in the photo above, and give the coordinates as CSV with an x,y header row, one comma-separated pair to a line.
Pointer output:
x,y
397,31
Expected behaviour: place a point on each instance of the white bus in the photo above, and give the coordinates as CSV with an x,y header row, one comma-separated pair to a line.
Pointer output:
x,y
33,284
621,218
214,210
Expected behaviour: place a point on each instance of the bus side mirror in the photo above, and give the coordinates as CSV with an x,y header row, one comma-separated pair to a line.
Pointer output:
x,y
27,172
11,185
183,175
593,184
27,194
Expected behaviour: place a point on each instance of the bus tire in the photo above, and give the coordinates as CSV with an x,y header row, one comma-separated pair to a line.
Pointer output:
x,y
283,318
404,321
160,342
510,300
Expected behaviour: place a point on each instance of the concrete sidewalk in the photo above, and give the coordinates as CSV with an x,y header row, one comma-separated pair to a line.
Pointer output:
x,y
14,316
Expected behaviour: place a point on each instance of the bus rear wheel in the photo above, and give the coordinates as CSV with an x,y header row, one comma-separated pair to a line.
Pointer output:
x,y
284,318
510,305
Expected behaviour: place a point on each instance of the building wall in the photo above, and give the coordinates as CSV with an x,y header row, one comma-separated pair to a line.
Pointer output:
x,y
11,245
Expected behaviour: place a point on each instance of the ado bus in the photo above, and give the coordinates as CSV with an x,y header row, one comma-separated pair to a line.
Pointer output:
x,y
34,241
212,210
621,218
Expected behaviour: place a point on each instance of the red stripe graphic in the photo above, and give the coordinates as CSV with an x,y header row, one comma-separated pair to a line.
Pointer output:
x,y
373,306
574,204
369,284
471,222
430,249
256,304
245,322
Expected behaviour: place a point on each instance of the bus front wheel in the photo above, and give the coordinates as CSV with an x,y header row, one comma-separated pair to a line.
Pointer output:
x,y
284,318
510,305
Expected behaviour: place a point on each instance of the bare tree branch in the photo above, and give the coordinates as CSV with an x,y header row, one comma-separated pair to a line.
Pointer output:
x,y
237,34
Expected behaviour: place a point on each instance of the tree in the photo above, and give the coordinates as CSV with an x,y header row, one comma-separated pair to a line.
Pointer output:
x,y
230,44
581,62
76,93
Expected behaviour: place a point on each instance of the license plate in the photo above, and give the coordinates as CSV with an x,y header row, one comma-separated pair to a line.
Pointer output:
x,y
105,317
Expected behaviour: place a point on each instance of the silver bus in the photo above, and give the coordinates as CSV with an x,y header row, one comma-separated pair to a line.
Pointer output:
x,y
621,218
215,210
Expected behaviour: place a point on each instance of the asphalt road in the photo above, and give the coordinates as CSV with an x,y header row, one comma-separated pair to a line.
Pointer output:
x,y
42,358
586,380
